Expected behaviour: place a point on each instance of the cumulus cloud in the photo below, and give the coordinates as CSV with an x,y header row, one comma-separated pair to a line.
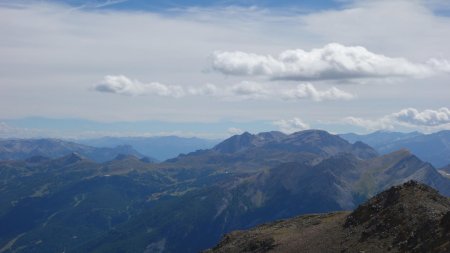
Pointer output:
x,y
304,91
254,90
409,117
423,118
291,125
333,61
124,86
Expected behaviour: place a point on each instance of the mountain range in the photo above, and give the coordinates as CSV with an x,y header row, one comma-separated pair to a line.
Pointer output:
x,y
17,149
254,152
433,148
160,148
186,204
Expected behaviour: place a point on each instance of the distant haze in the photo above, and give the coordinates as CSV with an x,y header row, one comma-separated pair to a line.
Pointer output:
x,y
161,148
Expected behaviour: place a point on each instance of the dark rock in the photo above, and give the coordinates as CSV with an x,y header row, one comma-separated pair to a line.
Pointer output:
x,y
411,217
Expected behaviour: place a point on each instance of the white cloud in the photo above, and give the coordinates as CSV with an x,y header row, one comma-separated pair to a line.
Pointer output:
x,y
234,131
442,65
409,117
333,61
304,91
291,125
124,86
427,117
241,91
240,63
308,91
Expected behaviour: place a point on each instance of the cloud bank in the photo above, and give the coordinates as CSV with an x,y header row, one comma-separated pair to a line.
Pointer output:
x,y
409,117
333,61
123,85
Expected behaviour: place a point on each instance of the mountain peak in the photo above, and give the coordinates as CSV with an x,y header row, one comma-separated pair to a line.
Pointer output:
x,y
309,143
411,217
360,144
71,158
246,140
272,136
407,194
237,143
312,134
402,152
319,141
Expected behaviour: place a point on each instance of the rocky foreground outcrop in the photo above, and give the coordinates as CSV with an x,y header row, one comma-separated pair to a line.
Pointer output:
x,y
412,217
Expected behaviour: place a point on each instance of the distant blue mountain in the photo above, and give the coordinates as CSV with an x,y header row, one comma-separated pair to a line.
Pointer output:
x,y
39,149
433,148
161,148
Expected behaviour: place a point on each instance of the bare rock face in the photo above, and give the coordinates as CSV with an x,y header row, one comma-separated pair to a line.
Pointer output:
x,y
411,217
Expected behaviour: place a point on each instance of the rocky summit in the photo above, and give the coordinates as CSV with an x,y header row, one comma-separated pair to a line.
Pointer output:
x,y
412,217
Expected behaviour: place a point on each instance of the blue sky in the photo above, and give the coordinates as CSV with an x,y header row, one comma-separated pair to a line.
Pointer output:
x,y
145,5
214,68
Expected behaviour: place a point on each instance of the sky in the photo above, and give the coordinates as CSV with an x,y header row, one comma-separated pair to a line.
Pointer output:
x,y
211,69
